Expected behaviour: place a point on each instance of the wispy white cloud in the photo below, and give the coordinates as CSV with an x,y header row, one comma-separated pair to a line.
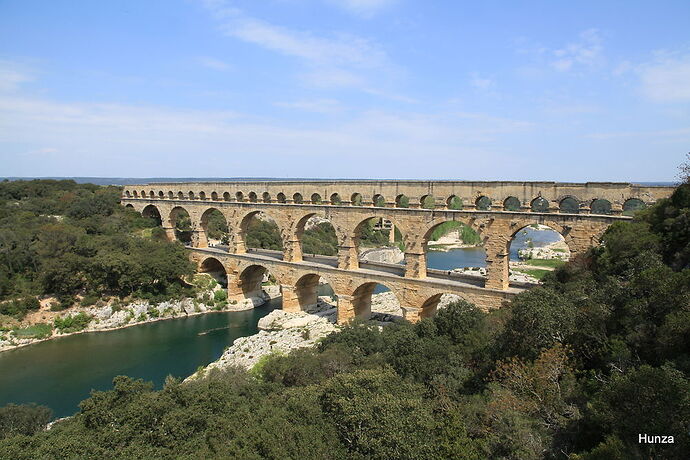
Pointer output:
x,y
585,52
339,60
317,105
667,78
213,63
13,74
365,8
479,82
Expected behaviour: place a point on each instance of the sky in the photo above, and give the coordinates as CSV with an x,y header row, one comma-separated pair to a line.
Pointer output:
x,y
389,89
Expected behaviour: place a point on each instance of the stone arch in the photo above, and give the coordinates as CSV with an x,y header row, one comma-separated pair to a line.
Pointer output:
x,y
317,236
454,202
215,226
226,196
214,196
191,195
373,229
127,194
600,206
512,203
152,212
266,197
152,194
251,281
569,205
136,194
239,196
355,199
432,304
267,228
281,198
402,201
378,200
483,203
539,204
180,195
362,297
181,222
161,195
427,202
143,193
171,195
631,205
297,198
252,197
335,199
215,269
315,198
307,290
202,195
549,241
454,231
129,206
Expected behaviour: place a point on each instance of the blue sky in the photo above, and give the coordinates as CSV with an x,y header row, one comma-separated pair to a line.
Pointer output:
x,y
574,91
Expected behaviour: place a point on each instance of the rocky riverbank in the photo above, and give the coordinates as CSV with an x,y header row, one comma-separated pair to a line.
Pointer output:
x,y
282,332
113,315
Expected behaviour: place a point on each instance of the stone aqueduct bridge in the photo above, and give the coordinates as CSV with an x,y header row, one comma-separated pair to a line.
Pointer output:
x,y
496,210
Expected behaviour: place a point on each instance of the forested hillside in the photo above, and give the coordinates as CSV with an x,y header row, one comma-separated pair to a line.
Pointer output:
x,y
64,239
577,368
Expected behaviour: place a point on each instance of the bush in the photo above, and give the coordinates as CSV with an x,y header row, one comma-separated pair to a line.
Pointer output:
x,y
220,296
24,419
36,331
73,323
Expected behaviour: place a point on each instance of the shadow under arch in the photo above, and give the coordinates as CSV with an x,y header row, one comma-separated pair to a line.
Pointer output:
x,y
152,212
437,301
252,279
179,219
362,299
307,290
214,268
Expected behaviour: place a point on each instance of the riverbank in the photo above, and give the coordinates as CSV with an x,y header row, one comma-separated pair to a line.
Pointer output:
x,y
113,316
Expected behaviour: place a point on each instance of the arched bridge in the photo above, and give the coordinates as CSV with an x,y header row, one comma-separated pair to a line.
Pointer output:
x,y
495,210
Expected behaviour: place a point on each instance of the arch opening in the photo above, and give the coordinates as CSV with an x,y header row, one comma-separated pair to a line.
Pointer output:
x,y
454,202
226,196
355,199
569,205
161,195
214,196
239,196
317,236
536,250
314,293
191,195
539,204
632,205
600,206
259,231
402,201
376,301
152,195
281,198
180,196
266,197
202,195
215,227
378,240
151,212
297,198
438,302
379,201
427,202
336,200
215,269
252,197
455,248
483,203
315,198
258,284
181,223
512,203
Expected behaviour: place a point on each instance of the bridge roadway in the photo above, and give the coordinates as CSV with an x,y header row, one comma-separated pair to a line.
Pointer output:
x,y
353,287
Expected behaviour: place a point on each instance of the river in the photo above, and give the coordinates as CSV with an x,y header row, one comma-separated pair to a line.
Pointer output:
x,y
61,372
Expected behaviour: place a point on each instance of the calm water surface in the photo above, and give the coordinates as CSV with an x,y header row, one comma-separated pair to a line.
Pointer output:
x,y
61,372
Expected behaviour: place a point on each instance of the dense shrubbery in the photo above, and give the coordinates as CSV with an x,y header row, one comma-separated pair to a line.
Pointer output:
x,y
72,323
61,238
320,239
263,234
575,369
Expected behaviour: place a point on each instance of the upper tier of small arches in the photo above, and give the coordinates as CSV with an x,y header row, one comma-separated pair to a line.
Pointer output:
x,y
566,204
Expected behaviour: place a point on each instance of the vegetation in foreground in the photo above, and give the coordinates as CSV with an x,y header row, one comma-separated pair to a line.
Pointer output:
x,y
577,368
